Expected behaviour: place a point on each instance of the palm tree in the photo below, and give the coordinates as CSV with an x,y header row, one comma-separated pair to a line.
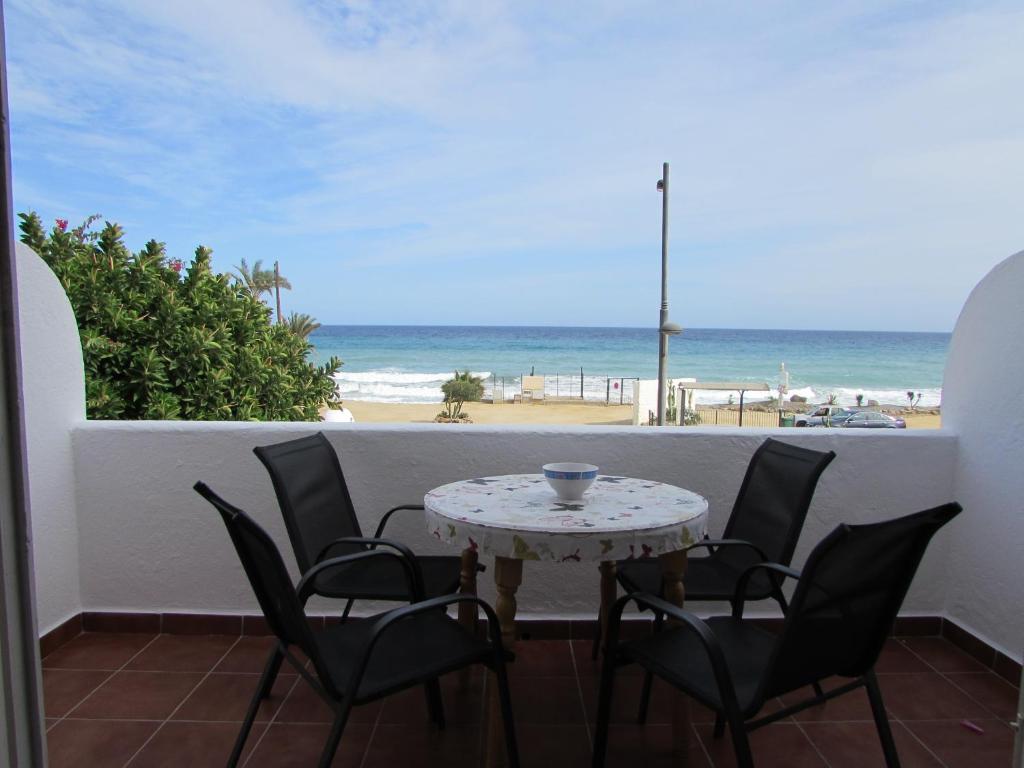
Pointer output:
x,y
301,324
258,281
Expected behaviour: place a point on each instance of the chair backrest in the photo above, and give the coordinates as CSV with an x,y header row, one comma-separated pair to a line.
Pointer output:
x,y
847,598
313,496
772,504
268,576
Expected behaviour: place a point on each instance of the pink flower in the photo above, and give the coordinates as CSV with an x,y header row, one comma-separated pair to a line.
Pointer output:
x,y
62,225
176,264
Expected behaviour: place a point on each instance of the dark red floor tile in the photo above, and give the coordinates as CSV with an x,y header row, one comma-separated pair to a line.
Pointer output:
x,y
542,657
97,650
227,697
63,689
896,657
650,746
849,706
249,654
959,747
547,700
77,743
587,666
626,700
998,696
304,705
856,745
463,702
298,745
541,746
397,745
132,695
943,655
182,653
196,745
926,696
779,745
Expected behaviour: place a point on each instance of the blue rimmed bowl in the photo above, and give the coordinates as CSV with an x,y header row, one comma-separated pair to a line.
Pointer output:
x,y
569,479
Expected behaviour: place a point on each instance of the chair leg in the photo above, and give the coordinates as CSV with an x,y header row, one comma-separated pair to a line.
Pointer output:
x,y
348,607
719,726
892,760
645,693
262,691
604,705
817,690
327,756
435,704
595,649
507,717
740,742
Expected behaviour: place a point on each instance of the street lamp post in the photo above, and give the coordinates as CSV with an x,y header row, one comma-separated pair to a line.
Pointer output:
x,y
666,328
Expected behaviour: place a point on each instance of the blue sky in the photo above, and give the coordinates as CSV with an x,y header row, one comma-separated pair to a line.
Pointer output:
x,y
495,163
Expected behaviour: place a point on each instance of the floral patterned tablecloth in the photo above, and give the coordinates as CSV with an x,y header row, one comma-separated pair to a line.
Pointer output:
x,y
519,517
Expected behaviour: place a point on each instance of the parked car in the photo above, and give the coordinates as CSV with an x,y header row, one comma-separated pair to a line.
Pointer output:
x,y
822,415
874,420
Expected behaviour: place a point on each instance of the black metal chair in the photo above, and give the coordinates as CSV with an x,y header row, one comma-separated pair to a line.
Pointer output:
x,y
360,660
321,522
843,608
764,526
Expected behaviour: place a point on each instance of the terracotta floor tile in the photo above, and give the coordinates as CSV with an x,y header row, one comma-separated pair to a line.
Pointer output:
x,y
195,745
463,703
586,666
631,746
896,657
304,705
943,655
999,697
926,696
626,701
249,654
542,657
849,706
547,700
182,653
77,743
779,745
396,745
227,697
542,746
130,695
63,689
856,745
97,650
296,745
958,747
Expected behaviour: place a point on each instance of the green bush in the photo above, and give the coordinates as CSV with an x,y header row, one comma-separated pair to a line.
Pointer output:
x,y
462,387
164,341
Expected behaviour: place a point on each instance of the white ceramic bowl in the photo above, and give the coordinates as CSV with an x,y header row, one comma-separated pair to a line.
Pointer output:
x,y
569,479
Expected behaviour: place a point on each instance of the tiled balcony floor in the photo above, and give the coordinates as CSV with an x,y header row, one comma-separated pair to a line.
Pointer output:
x,y
176,700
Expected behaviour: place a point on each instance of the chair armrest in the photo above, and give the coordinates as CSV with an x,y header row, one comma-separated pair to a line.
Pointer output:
x,y
375,542
687,621
712,543
306,586
389,619
390,512
740,595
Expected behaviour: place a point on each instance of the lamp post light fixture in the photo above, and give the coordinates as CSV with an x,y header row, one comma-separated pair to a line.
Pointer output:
x,y
666,327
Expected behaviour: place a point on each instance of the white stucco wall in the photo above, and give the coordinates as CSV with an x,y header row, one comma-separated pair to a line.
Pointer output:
x,y
54,402
983,402
150,543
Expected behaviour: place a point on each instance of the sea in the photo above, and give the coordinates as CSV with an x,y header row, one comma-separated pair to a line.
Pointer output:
x,y
408,364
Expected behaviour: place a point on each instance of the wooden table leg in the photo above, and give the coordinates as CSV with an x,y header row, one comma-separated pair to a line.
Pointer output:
x,y
609,591
673,571
508,575
468,612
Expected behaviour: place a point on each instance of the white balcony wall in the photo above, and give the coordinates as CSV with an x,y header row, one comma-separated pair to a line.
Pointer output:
x,y
983,402
150,543
53,401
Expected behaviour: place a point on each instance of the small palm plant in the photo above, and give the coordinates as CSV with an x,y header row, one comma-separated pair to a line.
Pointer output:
x,y
457,390
301,324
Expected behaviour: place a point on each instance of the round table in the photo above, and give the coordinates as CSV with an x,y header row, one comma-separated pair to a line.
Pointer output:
x,y
518,517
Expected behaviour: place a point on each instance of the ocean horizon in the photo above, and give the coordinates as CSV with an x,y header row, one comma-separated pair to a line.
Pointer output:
x,y
408,364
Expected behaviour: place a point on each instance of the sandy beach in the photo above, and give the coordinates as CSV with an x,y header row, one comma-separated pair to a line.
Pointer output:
x,y
546,413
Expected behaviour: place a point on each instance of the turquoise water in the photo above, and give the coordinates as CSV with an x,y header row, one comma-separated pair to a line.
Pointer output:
x,y
409,363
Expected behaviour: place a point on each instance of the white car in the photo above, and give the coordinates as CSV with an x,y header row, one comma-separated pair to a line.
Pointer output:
x,y
820,415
